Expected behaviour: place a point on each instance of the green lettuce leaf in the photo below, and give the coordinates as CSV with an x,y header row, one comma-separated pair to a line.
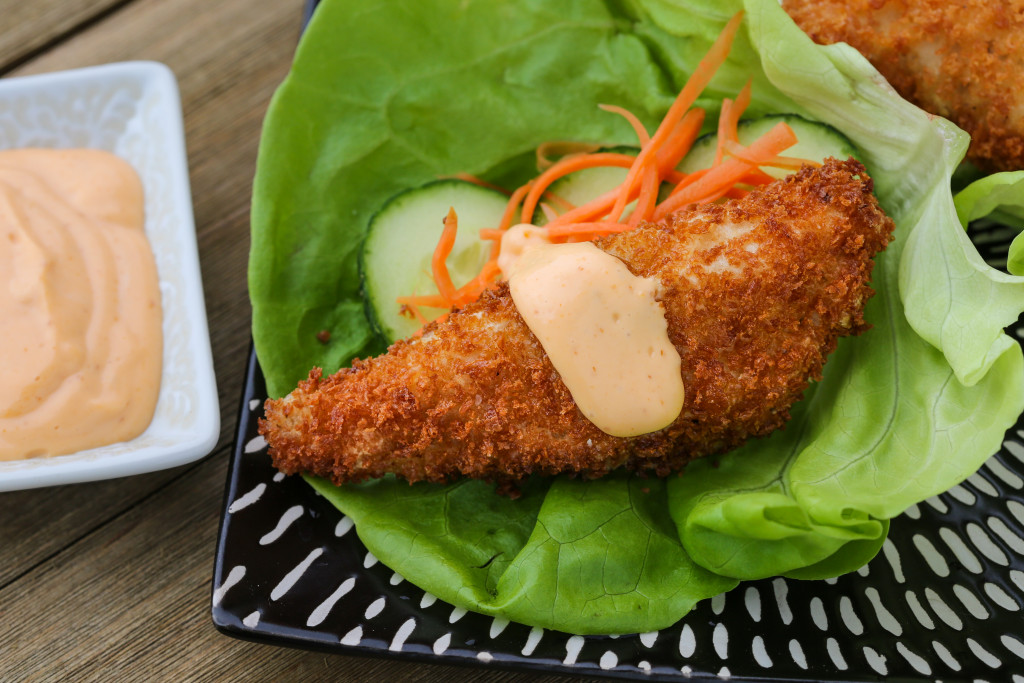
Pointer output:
x,y
1000,196
599,557
421,89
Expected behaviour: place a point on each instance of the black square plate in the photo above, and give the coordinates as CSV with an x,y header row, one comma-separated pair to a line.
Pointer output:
x,y
943,600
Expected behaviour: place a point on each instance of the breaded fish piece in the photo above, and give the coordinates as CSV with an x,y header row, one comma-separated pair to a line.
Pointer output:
x,y
961,60
756,293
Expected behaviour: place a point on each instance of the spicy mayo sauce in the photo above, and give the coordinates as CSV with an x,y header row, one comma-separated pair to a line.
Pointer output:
x,y
604,331
81,343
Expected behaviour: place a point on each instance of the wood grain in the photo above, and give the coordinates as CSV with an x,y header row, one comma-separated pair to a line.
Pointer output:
x,y
112,580
134,597
223,97
39,523
30,27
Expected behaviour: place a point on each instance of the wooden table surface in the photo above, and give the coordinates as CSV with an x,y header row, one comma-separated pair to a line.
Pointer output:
x,y
112,580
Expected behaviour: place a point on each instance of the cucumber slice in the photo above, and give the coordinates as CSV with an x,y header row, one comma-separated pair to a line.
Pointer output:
x,y
816,142
395,257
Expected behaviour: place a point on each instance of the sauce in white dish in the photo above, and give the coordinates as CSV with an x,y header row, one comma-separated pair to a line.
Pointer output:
x,y
81,348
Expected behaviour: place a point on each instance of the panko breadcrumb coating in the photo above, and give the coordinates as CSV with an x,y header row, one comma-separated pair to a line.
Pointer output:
x,y
756,292
961,60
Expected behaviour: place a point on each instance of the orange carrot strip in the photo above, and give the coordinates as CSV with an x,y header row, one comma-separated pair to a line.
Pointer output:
x,y
680,142
648,197
732,121
729,121
565,167
689,180
702,75
791,163
512,206
412,308
509,215
641,133
428,300
723,176
595,208
590,228
472,289
756,177
738,107
714,196
674,177
438,264
740,152
723,131
656,162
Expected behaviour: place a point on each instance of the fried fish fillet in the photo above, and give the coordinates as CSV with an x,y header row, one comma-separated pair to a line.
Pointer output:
x,y
756,293
960,60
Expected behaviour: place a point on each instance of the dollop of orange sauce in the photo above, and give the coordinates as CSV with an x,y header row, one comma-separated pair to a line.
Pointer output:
x,y
81,348
605,332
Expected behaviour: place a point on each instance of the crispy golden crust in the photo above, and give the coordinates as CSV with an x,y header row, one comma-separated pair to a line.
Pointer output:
x,y
960,60
756,293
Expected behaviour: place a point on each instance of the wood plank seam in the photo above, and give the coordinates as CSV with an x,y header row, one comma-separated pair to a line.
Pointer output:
x,y
120,512
53,42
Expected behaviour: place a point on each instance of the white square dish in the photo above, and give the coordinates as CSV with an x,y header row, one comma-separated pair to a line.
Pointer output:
x,y
133,110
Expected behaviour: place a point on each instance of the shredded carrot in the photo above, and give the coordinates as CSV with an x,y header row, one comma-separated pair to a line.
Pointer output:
x,y
415,311
788,163
743,154
641,133
675,177
506,219
791,163
594,209
438,264
735,171
592,228
687,96
689,180
723,131
753,177
756,176
513,205
739,106
648,197
472,289
427,300
564,168
730,171
681,141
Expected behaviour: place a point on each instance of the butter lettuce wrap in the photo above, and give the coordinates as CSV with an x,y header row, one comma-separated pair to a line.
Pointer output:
x,y
386,97
999,196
